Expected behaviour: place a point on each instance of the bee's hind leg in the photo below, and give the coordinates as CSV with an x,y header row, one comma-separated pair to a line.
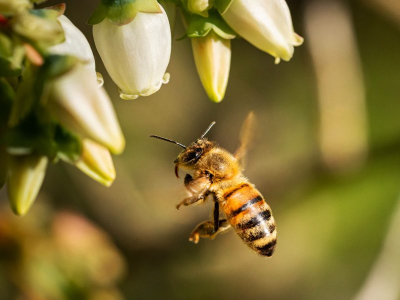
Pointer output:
x,y
210,229
206,230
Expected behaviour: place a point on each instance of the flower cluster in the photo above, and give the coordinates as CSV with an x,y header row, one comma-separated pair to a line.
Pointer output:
x,y
138,31
52,105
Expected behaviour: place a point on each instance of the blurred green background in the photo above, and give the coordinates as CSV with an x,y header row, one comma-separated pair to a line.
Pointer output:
x,y
326,158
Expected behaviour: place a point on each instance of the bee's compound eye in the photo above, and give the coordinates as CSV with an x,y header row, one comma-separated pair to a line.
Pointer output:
x,y
193,155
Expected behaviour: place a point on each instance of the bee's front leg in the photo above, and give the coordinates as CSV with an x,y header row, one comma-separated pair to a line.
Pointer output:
x,y
197,188
197,198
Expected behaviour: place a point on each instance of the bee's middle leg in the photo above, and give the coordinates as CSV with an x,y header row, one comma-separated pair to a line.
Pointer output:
x,y
210,229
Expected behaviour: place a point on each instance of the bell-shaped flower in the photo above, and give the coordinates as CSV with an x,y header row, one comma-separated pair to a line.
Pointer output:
x,y
75,44
266,24
25,177
84,108
136,54
96,162
212,55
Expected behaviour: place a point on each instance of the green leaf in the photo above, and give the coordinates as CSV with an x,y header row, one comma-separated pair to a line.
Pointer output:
x,y
48,138
3,166
69,146
7,96
122,12
57,65
25,96
200,27
98,15
11,56
30,136
222,5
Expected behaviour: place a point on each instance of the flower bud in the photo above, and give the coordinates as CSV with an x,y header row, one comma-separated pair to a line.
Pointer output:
x,y
212,55
10,7
200,7
84,108
39,29
136,55
75,44
25,177
266,24
96,162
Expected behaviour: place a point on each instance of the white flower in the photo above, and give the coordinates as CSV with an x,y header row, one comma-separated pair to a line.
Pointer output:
x,y
266,24
84,108
136,55
75,44
25,177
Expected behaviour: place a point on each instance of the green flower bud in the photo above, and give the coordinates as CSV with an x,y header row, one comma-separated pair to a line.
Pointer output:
x,y
11,7
212,55
25,177
200,7
39,29
96,162
266,24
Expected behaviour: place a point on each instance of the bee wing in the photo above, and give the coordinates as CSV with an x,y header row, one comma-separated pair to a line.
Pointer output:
x,y
246,137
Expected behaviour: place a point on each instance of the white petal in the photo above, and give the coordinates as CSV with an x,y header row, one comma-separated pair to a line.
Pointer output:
x,y
84,108
75,44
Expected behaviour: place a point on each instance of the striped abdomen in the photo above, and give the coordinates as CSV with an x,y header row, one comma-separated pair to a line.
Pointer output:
x,y
251,217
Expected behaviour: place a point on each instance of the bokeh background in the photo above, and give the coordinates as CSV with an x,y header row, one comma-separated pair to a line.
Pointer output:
x,y
326,157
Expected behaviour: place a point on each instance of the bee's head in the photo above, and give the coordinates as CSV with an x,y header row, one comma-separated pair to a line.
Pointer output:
x,y
191,154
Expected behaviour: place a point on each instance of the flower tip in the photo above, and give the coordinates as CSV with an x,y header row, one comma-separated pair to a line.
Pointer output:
x,y
125,96
118,146
150,91
96,162
166,78
298,40
215,95
100,79
277,60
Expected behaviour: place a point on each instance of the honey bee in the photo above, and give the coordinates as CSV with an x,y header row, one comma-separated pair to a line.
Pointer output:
x,y
218,174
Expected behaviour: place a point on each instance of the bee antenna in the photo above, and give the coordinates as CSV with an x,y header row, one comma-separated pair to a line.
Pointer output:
x,y
208,129
168,140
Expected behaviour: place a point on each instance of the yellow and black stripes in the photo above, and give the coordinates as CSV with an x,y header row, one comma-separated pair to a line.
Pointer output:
x,y
245,206
251,217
